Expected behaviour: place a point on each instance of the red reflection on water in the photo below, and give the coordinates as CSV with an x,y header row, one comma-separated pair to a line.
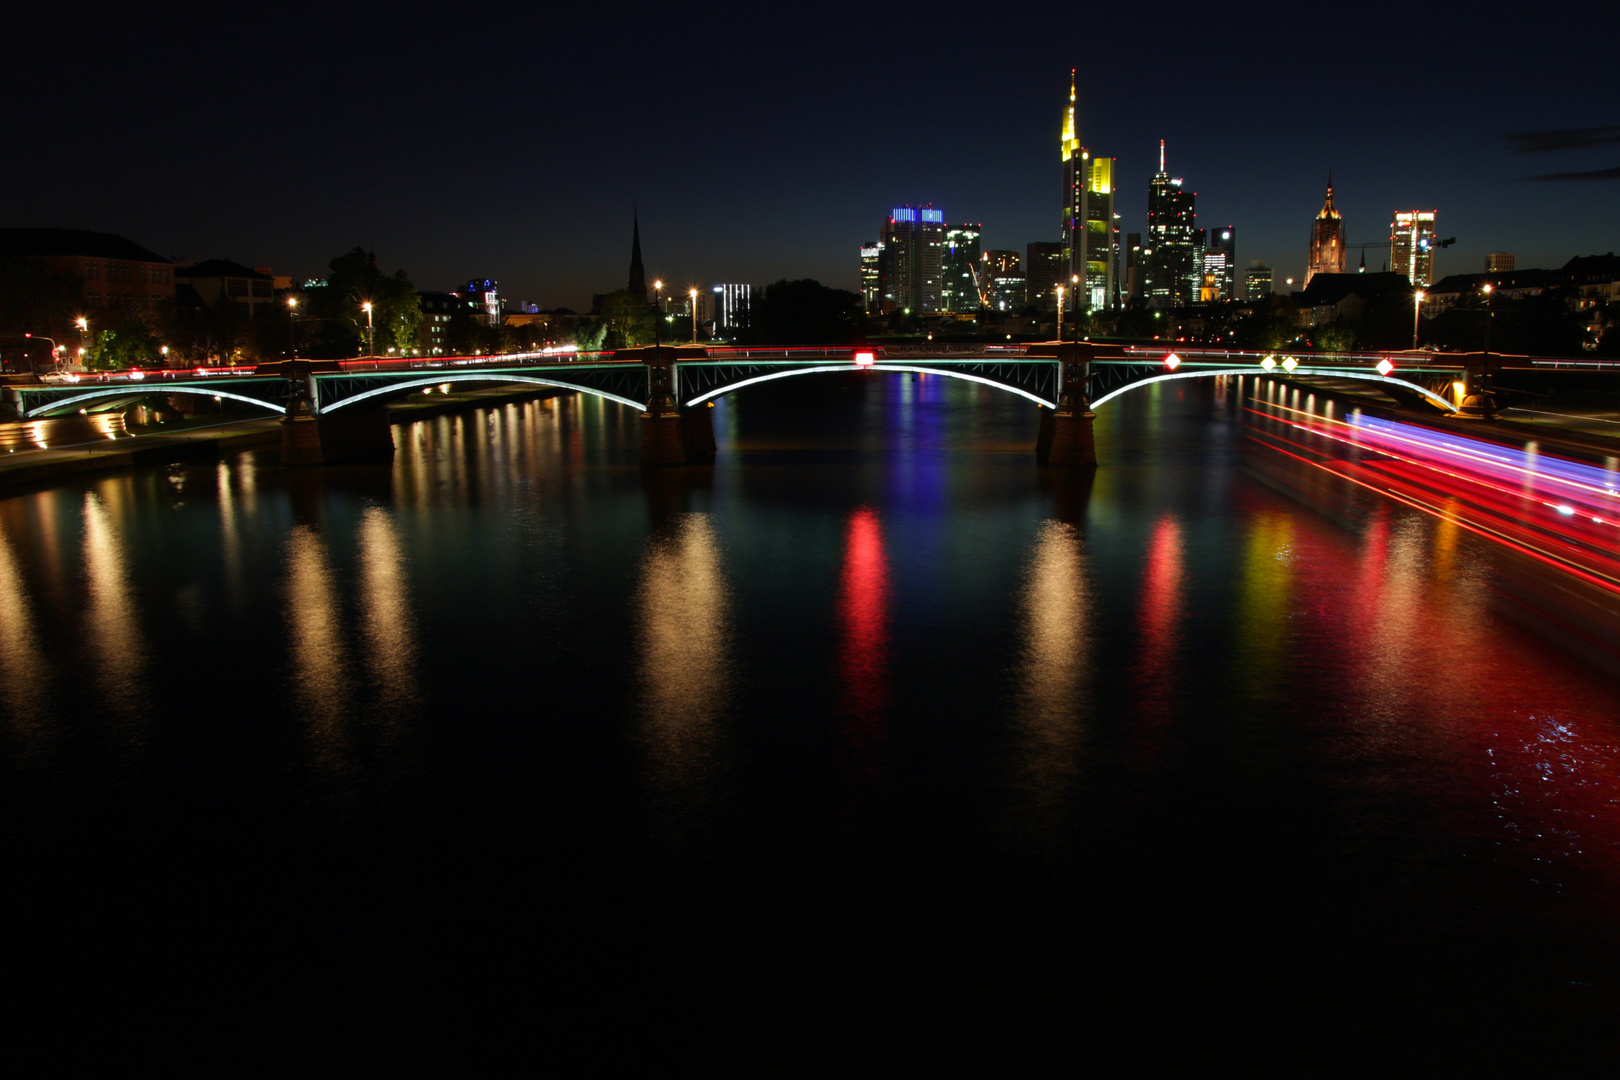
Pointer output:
x,y
1159,616
863,617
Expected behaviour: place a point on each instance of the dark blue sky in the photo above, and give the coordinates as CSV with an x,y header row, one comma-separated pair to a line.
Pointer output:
x,y
761,141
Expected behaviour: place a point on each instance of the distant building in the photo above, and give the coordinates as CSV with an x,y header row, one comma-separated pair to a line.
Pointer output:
x,y
220,281
1498,262
872,277
1134,266
1172,253
1001,272
1043,273
1257,281
1326,254
1334,297
437,310
1220,265
1411,246
914,240
1090,228
486,299
730,307
959,286
118,274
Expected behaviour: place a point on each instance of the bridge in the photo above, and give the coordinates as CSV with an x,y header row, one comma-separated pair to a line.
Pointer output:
x,y
335,410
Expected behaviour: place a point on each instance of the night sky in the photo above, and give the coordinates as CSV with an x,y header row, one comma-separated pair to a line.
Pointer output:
x,y
763,141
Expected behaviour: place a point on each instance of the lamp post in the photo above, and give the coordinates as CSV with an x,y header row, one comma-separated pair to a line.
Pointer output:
x,y
1060,313
371,348
1417,309
84,335
693,294
292,320
658,310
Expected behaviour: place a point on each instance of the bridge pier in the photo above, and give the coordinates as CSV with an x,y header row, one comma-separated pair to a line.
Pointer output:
x,y
1478,402
352,434
1065,440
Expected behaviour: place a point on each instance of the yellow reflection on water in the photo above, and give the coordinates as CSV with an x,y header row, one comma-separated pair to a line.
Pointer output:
x,y
684,615
314,622
1265,592
112,629
23,668
387,624
1053,693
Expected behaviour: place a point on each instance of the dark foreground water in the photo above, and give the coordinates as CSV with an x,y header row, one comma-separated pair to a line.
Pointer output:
x,y
871,745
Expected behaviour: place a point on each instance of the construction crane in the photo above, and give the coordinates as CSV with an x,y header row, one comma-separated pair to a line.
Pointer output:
x,y
1430,246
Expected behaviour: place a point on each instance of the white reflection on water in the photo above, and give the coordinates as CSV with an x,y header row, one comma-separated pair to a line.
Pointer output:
x,y
23,668
1051,677
112,630
387,623
684,611
229,535
320,673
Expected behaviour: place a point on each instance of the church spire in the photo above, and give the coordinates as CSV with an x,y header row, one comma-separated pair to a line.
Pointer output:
x,y
638,276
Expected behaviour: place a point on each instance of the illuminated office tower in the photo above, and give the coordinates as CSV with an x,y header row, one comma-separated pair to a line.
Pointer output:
x,y
1411,246
913,238
1172,255
1043,272
1327,240
1219,269
960,288
1002,274
872,276
1090,228
731,306
1257,281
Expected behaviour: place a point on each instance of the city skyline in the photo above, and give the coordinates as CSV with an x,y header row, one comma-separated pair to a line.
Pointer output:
x,y
460,153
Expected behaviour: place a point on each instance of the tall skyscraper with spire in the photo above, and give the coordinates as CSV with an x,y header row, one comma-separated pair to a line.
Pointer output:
x,y
1172,254
1090,228
638,276
1327,240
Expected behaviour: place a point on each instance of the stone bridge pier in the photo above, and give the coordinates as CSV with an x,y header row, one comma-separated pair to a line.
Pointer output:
x,y
1066,440
355,433
670,433
1478,402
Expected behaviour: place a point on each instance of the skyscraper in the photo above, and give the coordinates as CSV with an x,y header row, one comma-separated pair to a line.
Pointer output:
x,y
872,277
1327,240
1090,229
1411,246
1001,272
1257,281
1172,253
960,288
1043,273
913,237
1220,265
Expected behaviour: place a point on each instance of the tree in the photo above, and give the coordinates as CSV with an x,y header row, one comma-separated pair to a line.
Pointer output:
x,y
627,320
355,280
129,344
804,312
1274,325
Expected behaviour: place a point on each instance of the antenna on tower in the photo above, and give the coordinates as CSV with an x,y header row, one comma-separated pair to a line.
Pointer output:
x,y
1161,155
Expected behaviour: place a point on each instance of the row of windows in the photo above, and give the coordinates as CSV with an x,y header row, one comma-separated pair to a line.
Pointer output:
x,y
110,271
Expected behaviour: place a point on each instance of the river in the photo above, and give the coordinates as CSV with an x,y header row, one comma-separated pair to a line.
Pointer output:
x,y
871,728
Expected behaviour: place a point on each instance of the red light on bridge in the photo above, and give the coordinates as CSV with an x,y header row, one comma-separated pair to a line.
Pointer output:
x,y
1385,367
865,359
1172,361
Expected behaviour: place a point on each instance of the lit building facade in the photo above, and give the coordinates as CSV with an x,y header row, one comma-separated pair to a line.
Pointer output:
x,y
1499,262
913,239
731,307
1002,274
1326,254
960,288
1090,228
118,274
872,277
1257,281
1220,265
1411,246
1172,255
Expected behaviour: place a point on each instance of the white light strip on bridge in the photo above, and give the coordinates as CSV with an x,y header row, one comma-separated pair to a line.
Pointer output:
x,y
144,391
489,377
1335,373
871,367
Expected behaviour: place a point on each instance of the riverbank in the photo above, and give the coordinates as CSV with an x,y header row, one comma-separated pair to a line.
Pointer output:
x,y
45,466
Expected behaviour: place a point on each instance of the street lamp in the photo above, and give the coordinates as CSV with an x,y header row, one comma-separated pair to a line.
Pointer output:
x,y
658,309
1060,312
371,348
693,294
292,319
84,334
1417,308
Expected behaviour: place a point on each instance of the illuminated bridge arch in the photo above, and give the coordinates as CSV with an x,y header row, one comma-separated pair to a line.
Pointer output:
x,y
819,369
394,389
110,394
1336,373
